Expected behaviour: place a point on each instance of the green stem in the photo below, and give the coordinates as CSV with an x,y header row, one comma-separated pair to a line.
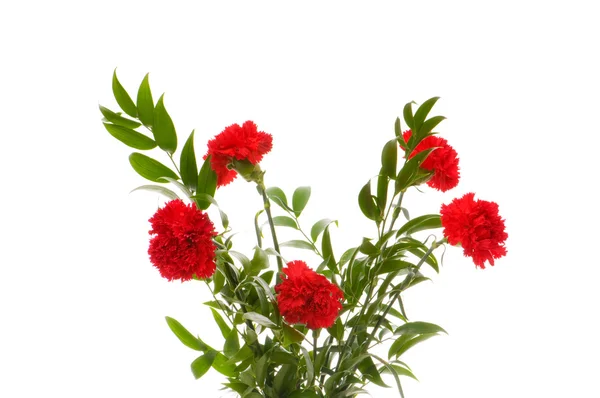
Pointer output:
x,y
267,206
396,212
174,164
315,336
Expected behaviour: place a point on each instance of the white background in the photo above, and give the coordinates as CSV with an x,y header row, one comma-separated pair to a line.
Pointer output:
x,y
82,309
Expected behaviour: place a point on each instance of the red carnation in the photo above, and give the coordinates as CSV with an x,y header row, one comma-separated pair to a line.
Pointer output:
x,y
443,161
307,297
182,246
477,226
237,142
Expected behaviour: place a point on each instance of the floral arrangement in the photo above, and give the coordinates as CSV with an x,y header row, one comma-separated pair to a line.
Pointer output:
x,y
293,329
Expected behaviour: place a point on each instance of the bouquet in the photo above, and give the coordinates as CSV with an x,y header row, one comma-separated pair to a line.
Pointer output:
x,y
292,329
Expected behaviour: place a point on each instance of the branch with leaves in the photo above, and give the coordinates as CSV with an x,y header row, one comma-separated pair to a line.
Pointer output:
x,y
271,312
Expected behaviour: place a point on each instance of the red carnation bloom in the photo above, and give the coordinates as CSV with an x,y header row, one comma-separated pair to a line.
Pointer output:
x,y
241,143
477,226
307,297
182,246
443,161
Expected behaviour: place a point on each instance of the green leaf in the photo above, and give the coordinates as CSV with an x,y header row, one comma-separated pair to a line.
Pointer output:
x,y
278,196
259,261
292,335
219,281
366,203
369,371
430,124
298,244
207,183
408,115
149,168
130,137
260,369
368,248
232,344
391,265
389,368
187,164
409,343
163,128
145,103
402,371
186,337
419,328
319,227
389,158
300,199
118,119
225,329
222,365
245,261
284,380
158,189
408,171
123,99
337,330
428,221
258,318
327,250
285,221
310,367
264,281
201,365
422,113
398,130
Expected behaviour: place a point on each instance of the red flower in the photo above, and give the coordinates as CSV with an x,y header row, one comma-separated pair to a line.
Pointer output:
x,y
307,297
443,161
477,226
182,246
241,143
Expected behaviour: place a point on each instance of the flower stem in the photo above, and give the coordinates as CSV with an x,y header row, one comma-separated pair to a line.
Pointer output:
x,y
267,205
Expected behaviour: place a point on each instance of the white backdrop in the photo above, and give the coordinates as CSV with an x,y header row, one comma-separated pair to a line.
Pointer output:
x,y
82,308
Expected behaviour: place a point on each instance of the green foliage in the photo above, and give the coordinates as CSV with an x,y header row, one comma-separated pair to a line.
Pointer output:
x,y
262,355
